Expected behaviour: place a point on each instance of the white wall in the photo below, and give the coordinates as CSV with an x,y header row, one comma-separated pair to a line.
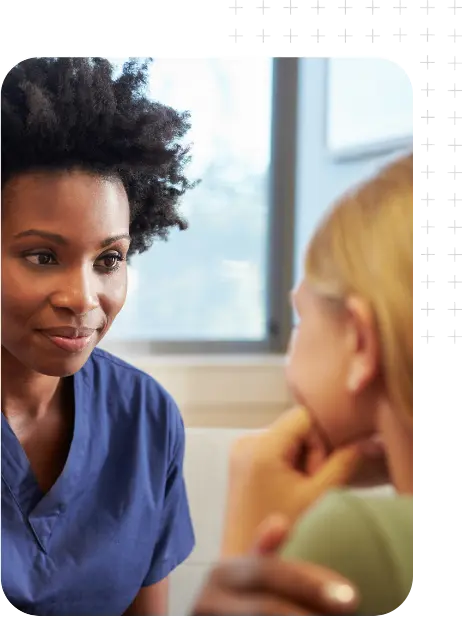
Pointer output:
x,y
222,391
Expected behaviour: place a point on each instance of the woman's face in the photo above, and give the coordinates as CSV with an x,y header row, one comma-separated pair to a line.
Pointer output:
x,y
64,244
330,361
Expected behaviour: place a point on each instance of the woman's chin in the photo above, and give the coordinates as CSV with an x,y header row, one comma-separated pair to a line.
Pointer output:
x,y
65,366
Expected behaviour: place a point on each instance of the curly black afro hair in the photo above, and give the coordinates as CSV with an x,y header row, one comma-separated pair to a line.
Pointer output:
x,y
79,113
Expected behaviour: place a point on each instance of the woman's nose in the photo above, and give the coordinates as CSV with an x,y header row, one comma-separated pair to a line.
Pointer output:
x,y
77,293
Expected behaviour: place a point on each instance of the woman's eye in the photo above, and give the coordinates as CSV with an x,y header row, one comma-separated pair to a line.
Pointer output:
x,y
110,262
41,259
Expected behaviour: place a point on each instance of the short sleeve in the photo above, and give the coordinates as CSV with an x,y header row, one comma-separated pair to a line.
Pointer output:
x,y
342,533
176,536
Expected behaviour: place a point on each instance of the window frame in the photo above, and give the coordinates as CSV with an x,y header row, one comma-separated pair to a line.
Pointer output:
x,y
280,240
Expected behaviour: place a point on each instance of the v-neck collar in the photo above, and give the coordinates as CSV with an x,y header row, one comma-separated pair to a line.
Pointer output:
x,y
42,510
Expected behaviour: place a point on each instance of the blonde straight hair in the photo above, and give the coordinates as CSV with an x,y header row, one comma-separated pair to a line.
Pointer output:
x,y
364,248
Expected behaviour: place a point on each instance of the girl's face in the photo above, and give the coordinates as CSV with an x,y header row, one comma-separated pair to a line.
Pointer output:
x,y
331,362
64,244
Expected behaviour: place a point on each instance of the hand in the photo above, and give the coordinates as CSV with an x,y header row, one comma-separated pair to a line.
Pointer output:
x,y
372,467
263,584
281,470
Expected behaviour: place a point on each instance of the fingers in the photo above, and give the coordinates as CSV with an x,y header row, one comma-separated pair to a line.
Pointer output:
x,y
292,427
294,422
222,603
304,585
338,470
271,535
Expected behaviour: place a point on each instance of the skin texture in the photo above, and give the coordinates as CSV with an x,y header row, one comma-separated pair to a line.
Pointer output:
x,y
280,454
332,362
71,274
262,584
67,280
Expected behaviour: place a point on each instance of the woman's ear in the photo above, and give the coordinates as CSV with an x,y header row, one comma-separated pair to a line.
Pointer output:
x,y
363,345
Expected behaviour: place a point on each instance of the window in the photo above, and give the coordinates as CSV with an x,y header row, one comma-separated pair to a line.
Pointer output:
x,y
329,160
373,117
213,284
260,129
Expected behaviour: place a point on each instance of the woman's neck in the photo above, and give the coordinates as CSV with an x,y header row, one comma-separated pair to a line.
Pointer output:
x,y
397,436
25,392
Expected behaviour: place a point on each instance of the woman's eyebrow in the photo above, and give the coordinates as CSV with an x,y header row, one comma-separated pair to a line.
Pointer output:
x,y
42,234
113,239
63,241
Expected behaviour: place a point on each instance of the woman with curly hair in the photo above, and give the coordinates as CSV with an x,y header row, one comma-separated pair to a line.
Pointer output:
x,y
94,508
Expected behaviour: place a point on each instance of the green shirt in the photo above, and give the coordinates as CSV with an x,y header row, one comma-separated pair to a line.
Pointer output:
x,y
366,539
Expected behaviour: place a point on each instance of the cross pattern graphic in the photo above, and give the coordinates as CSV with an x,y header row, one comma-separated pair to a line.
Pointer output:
x,y
371,35
290,5
455,199
427,91
454,172
454,62
400,7
293,34
428,282
346,34
428,116
429,62
454,145
317,7
426,144
453,338
429,34
373,7
428,171
455,239
427,337
262,6
428,199
400,35
428,7
426,248
345,7
237,5
317,34
428,308
452,6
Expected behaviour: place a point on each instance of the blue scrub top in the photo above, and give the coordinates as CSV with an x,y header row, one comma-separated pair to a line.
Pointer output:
x,y
117,518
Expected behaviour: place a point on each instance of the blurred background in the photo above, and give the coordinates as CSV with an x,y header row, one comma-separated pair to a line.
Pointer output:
x,y
275,141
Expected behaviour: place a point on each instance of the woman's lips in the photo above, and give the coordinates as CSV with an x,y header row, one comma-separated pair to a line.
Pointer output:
x,y
71,344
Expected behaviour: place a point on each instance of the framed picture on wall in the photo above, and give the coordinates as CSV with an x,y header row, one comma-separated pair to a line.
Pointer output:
x,y
369,107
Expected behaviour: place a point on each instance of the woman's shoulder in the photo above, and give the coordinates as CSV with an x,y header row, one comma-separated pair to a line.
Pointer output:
x,y
109,370
129,395
350,515
377,506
